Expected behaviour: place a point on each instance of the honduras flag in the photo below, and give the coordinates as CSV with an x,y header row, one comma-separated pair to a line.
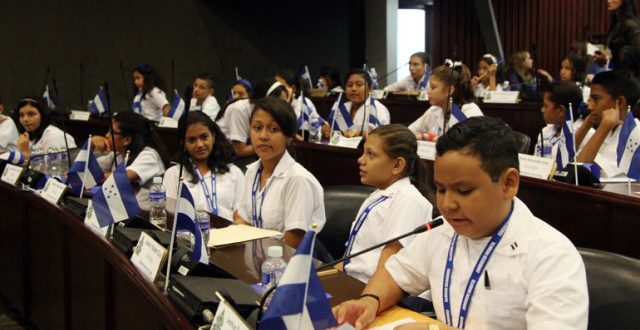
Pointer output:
x,y
373,112
177,106
47,98
85,172
186,219
628,151
305,113
457,115
99,105
339,117
566,149
299,301
13,157
305,74
115,200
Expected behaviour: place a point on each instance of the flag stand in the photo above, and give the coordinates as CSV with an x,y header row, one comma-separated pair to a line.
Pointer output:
x,y
86,167
173,238
573,138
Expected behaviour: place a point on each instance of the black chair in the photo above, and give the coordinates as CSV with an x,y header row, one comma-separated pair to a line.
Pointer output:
x,y
341,205
614,289
523,141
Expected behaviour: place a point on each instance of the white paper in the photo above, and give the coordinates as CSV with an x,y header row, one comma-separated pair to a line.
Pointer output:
x,y
148,256
227,318
392,325
427,150
616,180
340,141
237,234
91,221
168,123
535,167
591,49
53,190
79,115
506,97
11,174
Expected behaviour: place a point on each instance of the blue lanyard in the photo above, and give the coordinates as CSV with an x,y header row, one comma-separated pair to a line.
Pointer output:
x,y
211,198
257,215
475,275
358,225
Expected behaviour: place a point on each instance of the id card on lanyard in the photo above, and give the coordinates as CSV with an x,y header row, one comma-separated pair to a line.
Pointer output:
x,y
358,225
212,198
257,213
477,271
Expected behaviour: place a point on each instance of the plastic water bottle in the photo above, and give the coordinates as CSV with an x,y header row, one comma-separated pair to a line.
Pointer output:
x,y
51,162
158,199
204,223
272,270
374,78
314,130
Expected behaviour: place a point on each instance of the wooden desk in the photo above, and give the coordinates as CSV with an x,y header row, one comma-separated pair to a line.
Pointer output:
x,y
605,219
61,275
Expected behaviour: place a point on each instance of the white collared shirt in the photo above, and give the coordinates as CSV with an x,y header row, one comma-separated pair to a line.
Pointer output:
x,y
551,136
406,84
228,190
403,211
8,135
153,103
537,277
432,121
147,165
53,137
238,119
381,111
481,90
209,106
294,199
607,157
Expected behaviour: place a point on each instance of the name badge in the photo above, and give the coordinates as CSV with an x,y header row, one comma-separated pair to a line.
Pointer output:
x,y
167,122
11,174
340,141
427,150
227,318
148,256
79,115
506,97
53,191
536,167
91,221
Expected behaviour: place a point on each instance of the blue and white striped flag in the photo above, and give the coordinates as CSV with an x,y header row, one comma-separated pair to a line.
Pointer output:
x,y
115,200
306,75
186,219
299,301
628,147
339,117
457,116
566,150
305,113
47,98
372,113
99,105
85,169
137,103
177,107
13,157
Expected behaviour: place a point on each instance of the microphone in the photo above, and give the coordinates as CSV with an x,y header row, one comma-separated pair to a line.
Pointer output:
x,y
420,229
392,71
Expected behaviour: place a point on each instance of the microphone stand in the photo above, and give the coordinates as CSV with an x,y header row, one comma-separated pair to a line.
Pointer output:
x,y
64,126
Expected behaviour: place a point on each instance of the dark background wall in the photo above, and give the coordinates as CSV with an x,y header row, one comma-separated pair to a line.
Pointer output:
x,y
215,36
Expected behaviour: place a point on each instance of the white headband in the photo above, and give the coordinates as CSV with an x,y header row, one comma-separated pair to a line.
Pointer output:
x,y
491,57
273,87
452,64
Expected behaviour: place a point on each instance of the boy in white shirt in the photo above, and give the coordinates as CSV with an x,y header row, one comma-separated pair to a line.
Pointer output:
x,y
512,270
203,96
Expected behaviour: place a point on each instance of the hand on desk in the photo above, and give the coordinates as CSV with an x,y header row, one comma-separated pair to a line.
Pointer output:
x,y
359,312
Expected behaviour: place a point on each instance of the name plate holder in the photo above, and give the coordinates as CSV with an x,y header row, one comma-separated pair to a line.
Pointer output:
x,y
427,150
504,97
227,318
340,141
378,94
91,221
11,174
167,122
148,256
536,167
53,191
79,115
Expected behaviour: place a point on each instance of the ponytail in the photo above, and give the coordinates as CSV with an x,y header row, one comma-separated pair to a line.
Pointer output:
x,y
456,75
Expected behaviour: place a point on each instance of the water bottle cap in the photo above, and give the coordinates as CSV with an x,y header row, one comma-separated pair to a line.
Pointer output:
x,y
274,252
157,180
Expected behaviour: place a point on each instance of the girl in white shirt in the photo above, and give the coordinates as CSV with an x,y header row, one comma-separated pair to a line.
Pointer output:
x,y
203,96
150,99
214,182
488,78
134,134
8,132
36,130
279,194
448,82
358,85
390,163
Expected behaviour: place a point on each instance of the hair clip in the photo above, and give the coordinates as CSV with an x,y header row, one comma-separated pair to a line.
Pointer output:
x,y
451,64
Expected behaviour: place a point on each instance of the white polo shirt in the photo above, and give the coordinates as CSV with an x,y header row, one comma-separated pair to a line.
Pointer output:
x,y
8,135
607,157
537,277
382,113
209,106
229,187
552,139
153,103
432,121
406,84
403,210
293,198
147,165
53,137
239,114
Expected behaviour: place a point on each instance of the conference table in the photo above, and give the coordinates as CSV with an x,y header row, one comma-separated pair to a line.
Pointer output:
x,y
605,218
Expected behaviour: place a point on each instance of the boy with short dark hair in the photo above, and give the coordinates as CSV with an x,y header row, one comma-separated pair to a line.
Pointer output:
x,y
203,98
612,93
493,264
